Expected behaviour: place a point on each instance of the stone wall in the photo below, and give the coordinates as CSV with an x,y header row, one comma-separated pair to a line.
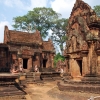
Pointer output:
x,y
82,45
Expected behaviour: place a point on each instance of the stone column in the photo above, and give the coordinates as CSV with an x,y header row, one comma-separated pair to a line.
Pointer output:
x,y
29,63
70,60
20,60
52,63
66,68
98,65
92,59
74,68
85,66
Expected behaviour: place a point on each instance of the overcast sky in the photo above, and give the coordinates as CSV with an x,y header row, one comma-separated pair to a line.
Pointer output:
x,y
13,8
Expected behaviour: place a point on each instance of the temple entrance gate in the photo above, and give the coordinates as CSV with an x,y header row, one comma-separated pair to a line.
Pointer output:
x,y
44,63
25,63
80,65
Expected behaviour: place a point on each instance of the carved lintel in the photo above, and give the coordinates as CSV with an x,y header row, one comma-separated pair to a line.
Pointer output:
x,y
98,52
84,53
26,56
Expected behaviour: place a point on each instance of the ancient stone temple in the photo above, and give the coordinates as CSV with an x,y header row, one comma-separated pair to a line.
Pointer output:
x,y
4,59
83,45
26,49
82,50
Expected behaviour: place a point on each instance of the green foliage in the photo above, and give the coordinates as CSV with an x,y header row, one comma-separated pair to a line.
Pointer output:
x,y
57,58
43,19
59,32
97,10
38,19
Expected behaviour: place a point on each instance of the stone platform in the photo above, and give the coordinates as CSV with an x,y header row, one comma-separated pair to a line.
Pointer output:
x,y
91,86
8,78
32,77
50,75
9,75
9,87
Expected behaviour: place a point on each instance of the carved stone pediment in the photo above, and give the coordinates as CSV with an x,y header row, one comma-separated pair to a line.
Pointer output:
x,y
25,51
75,55
25,47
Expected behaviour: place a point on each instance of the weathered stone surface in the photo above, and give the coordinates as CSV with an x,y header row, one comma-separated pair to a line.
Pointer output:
x,y
26,50
82,45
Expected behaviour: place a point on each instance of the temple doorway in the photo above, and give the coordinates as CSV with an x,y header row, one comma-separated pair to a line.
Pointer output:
x,y
80,65
25,63
44,63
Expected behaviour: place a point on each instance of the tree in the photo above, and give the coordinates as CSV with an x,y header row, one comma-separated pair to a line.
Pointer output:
x,y
59,32
97,10
38,19
57,58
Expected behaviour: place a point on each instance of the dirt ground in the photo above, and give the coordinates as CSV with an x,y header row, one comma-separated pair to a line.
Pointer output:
x,y
49,91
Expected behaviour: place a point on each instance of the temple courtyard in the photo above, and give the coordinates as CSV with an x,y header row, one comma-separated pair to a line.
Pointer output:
x,y
48,90
27,70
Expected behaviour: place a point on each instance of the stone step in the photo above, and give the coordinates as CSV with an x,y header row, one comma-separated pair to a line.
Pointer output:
x,y
22,82
30,73
29,76
15,97
6,83
36,82
47,78
11,90
82,82
31,80
79,87
57,78
11,93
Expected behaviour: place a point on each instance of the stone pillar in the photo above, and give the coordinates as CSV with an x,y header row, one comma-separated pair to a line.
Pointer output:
x,y
52,60
92,58
74,68
20,60
89,59
66,68
85,66
29,63
49,61
52,65
98,65
70,60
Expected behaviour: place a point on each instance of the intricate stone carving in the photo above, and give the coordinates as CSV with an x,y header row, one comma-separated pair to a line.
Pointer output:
x,y
84,46
83,39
